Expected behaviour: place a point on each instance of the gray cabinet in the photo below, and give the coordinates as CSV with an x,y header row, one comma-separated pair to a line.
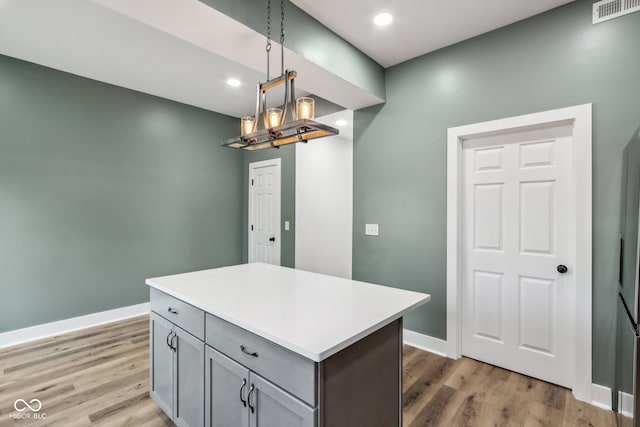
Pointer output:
x,y
189,380
236,396
290,371
161,363
226,388
177,372
275,408
240,379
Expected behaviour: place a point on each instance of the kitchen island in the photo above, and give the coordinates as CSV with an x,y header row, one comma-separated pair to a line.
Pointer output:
x,y
263,345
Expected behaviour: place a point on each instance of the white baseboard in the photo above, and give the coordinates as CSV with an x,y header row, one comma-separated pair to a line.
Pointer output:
x,y
20,336
601,396
625,404
425,342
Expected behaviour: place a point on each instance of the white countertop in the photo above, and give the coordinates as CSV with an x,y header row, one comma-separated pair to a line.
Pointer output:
x,y
311,314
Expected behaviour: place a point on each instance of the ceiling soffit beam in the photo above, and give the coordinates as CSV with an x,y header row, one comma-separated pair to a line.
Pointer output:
x,y
334,71
307,37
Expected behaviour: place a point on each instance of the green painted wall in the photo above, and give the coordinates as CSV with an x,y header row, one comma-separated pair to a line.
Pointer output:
x,y
310,39
554,60
102,187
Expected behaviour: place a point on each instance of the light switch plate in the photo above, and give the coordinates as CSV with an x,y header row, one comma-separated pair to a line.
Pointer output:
x,y
286,226
371,230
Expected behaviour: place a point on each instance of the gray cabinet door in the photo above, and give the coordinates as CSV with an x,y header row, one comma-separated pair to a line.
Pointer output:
x,y
276,408
161,363
189,380
226,390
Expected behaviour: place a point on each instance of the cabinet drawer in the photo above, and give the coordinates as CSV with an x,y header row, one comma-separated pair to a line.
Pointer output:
x,y
188,317
288,370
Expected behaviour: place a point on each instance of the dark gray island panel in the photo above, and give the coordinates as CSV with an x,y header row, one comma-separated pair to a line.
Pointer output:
x,y
362,384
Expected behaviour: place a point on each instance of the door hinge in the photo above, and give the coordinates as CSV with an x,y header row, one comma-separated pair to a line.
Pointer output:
x,y
251,182
252,228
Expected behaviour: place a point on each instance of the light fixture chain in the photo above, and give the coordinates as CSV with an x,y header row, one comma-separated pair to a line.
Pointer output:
x,y
282,36
268,22
268,46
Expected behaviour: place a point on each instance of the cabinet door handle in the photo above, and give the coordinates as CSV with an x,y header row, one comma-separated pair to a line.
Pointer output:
x,y
169,342
248,352
174,347
172,310
251,390
244,384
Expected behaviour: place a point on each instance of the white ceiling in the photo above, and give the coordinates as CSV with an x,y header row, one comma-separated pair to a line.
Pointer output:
x,y
185,51
343,120
419,26
84,38
176,49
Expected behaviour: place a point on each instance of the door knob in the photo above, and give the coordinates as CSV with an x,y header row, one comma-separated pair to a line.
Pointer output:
x,y
562,269
272,239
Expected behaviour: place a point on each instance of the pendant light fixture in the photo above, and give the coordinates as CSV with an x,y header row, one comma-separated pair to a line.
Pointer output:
x,y
269,127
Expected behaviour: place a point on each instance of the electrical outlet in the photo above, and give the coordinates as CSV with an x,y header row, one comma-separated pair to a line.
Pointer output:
x,y
286,226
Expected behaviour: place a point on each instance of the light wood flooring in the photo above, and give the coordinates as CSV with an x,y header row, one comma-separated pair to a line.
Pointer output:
x,y
442,392
99,376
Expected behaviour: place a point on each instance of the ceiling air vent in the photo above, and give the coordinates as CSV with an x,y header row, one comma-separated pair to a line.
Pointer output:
x,y
609,9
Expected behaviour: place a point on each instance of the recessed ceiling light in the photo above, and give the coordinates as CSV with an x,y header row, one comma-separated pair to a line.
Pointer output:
x,y
341,123
234,82
383,19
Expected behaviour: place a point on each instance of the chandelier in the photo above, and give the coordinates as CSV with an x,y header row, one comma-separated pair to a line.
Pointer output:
x,y
276,131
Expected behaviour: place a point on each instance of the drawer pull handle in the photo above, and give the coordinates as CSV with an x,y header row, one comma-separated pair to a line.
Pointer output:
x,y
251,390
172,310
244,384
246,351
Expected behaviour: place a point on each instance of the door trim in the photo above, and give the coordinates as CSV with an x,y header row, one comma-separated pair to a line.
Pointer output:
x,y
581,186
277,162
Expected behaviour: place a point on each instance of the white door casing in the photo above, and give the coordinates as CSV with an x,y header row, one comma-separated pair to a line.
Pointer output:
x,y
517,309
580,228
264,211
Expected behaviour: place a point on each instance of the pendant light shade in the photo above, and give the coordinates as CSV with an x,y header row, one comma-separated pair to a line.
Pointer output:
x,y
247,124
305,108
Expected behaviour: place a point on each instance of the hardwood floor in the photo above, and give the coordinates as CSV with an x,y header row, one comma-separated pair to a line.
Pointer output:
x,y
444,392
99,376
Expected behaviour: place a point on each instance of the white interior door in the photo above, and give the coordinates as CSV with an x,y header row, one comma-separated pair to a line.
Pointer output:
x,y
518,310
264,211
